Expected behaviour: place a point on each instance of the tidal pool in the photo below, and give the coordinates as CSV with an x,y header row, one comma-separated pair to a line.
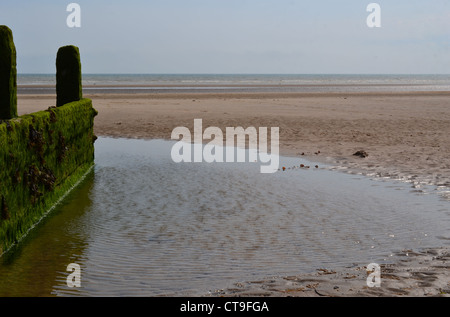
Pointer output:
x,y
142,225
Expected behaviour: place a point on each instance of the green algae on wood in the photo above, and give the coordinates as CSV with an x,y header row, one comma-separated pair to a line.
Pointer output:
x,y
68,75
8,75
42,155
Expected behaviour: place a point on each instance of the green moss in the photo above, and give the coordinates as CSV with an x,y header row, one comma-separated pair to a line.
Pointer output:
x,y
42,155
68,75
8,75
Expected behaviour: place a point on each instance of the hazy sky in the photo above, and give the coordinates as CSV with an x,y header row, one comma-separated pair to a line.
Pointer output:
x,y
234,36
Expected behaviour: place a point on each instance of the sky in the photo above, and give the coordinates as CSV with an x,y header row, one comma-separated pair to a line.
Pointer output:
x,y
234,36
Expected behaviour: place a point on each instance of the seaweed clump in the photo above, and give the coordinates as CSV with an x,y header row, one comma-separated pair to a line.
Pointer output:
x,y
4,212
39,180
36,142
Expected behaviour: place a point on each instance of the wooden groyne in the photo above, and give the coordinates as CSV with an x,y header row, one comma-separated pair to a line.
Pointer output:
x,y
43,154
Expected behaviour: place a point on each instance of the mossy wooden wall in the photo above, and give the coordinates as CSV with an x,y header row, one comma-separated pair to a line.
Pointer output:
x,y
42,155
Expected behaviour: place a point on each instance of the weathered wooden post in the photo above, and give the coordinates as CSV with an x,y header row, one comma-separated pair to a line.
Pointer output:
x,y
8,75
68,75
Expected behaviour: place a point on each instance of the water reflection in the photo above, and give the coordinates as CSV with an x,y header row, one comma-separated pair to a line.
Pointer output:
x,y
141,225
33,267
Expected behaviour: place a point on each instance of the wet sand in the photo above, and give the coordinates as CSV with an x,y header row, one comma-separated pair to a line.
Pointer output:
x,y
414,274
406,135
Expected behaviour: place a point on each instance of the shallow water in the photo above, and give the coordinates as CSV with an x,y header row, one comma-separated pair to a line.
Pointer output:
x,y
142,225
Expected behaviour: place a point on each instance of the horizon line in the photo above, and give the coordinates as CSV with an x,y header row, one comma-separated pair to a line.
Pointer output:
x,y
251,74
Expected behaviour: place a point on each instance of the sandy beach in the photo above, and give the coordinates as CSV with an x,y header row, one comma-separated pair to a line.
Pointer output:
x,y
405,135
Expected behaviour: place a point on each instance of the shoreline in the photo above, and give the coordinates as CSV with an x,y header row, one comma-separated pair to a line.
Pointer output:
x,y
405,134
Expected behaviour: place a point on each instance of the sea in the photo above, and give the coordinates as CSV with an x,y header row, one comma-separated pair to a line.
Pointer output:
x,y
303,83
